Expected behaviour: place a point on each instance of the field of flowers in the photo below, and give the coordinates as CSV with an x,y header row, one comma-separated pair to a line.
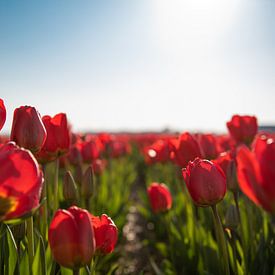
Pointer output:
x,y
143,203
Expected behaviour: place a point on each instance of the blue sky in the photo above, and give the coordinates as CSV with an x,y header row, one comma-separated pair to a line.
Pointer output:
x,y
130,65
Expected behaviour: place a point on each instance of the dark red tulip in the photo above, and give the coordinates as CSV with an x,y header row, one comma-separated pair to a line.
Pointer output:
x,y
227,161
256,173
106,234
71,237
58,137
20,182
28,130
160,197
243,128
208,145
90,150
99,165
205,182
186,149
2,113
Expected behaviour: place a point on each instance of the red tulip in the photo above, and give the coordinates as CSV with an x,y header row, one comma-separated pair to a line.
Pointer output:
x,y
186,149
256,173
243,128
99,165
208,145
106,233
205,182
2,113
90,150
20,182
28,130
160,197
227,161
58,137
71,237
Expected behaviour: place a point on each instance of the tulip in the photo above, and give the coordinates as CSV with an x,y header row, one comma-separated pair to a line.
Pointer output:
x,y
256,173
58,138
70,193
90,150
208,145
205,182
186,148
71,237
160,197
2,113
243,128
227,161
28,130
20,182
106,234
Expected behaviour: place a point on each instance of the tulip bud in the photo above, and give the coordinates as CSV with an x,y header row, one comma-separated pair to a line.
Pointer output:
x,y
69,188
19,231
71,237
205,182
78,174
2,113
106,234
160,197
88,183
28,130
231,218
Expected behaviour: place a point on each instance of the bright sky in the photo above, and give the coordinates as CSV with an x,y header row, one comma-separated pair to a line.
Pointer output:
x,y
137,65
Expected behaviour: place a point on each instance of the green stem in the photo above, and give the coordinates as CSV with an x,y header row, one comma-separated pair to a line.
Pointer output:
x,y
45,206
234,253
243,241
56,185
221,240
30,242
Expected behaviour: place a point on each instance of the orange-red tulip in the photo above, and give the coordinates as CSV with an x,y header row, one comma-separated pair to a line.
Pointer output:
x,y
71,237
20,182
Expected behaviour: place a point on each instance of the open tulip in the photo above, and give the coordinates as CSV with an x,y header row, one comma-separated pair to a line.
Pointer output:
x,y
160,197
71,237
243,128
2,113
28,130
256,173
20,182
205,182
106,233
58,137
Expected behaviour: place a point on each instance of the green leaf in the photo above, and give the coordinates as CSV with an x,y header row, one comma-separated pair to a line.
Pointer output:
x,y
13,256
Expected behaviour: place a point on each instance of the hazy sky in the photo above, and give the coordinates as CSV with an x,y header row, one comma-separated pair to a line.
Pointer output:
x,y
185,64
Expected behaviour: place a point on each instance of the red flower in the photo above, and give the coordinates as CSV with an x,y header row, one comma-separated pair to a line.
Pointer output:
x,y
208,145
90,150
205,182
99,165
159,151
28,130
20,182
227,161
2,113
160,197
243,128
186,149
256,173
71,237
58,137
106,233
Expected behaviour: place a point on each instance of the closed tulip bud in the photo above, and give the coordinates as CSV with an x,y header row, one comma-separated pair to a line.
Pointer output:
x,y
88,183
69,188
27,129
71,237
160,197
243,128
19,231
205,182
78,174
106,234
3,113
231,218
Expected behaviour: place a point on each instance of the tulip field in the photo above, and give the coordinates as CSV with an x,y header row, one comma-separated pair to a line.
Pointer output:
x,y
135,203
